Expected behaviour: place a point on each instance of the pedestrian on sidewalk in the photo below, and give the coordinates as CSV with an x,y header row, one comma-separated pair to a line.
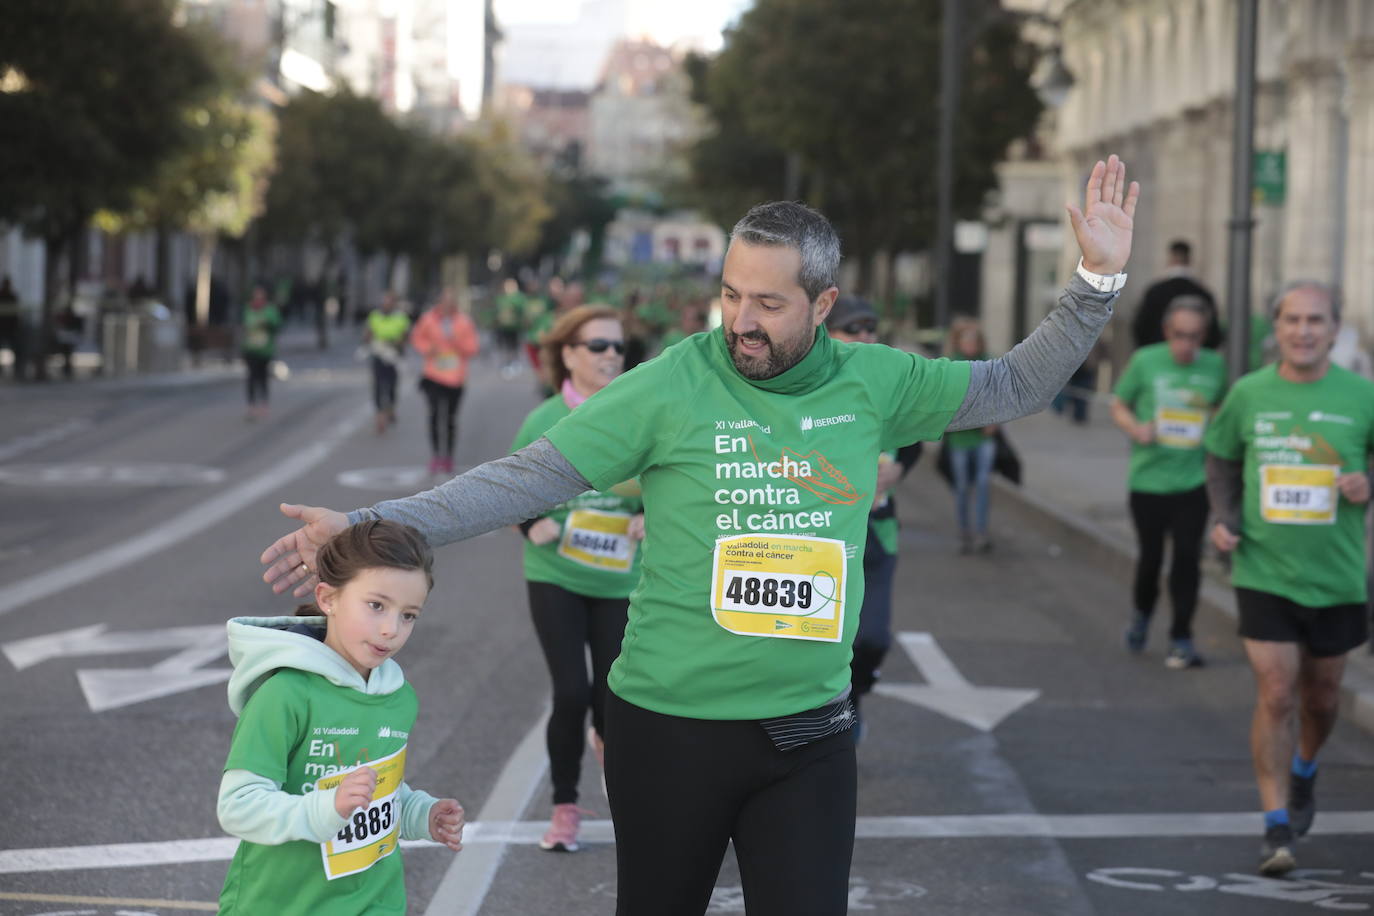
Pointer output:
x,y
1288,475
581,563
314,784
972,452
385,337
1178,279
261,322
447,339
1162,404
728,719
853,320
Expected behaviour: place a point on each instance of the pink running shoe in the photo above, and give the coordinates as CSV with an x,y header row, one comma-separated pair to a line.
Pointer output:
x,y
562,833
436,464
448,465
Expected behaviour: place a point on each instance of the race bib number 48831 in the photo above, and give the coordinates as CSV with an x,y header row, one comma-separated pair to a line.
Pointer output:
x,y
781,587
372,833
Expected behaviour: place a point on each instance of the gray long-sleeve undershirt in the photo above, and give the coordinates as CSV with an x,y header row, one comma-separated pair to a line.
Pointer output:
x,y
1225,485
527,484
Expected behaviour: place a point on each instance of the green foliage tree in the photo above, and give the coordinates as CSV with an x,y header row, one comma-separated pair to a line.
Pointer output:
x,y
214,186
850,92
95,92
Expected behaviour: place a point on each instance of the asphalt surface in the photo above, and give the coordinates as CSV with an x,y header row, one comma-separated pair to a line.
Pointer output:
x,y
1110,785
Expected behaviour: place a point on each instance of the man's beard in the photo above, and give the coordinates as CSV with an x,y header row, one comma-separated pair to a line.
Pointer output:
x,y
775,360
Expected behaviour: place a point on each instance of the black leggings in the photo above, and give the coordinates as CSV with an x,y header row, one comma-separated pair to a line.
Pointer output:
x,y
257,377
443,415
681,789
567,625
383,384
1183,517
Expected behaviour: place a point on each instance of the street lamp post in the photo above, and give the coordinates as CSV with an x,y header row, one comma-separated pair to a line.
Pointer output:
x,y
944,170
1242,164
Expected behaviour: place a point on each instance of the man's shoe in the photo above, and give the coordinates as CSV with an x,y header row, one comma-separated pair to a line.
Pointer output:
x,y
1302,803
1137,632
562,833
1182,655
1276,855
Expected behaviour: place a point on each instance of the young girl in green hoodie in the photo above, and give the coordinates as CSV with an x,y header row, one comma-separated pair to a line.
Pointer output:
x,y
314,783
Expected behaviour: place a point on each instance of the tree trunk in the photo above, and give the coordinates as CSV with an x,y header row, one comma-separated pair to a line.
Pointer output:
x,y
205,262
41,337
162,280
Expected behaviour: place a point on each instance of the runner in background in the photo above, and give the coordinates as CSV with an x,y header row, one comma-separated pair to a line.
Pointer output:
x,y
447,339
1288,476
385,337
853,320
581,563
261,322
1162,404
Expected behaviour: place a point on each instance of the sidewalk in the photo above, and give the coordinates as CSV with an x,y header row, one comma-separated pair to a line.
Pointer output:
x,y
1074,483
296,343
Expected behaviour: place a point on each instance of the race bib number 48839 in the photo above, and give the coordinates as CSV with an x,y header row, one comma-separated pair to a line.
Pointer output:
x,y
781,587
372,833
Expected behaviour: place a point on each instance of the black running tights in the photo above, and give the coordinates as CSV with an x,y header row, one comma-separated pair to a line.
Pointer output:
x,y
681,789
443,415
568,625
1183,518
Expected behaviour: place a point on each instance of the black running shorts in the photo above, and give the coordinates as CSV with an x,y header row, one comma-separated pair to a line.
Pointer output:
x,y
1323,631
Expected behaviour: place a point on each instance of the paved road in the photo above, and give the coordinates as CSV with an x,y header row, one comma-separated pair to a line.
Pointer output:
x,y
1108,784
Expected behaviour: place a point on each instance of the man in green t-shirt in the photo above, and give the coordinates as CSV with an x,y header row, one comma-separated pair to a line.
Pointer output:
x,y
1162,404
756,447
1287,473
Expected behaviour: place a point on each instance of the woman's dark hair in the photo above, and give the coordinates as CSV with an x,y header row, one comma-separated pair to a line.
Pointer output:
x,y
373,544
564,332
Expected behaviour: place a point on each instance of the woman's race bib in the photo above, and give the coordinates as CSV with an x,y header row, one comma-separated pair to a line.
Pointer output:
x,y
1179,427
446,362
779,586
372,833
600,540
1298,494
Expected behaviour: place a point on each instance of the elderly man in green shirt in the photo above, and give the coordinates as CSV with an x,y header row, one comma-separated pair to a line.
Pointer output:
x,y
757,447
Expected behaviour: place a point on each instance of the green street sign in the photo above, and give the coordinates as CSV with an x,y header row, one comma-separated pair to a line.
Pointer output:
x,y
1270,177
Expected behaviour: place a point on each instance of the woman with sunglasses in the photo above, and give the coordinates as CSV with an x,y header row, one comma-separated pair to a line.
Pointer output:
x,y
581,563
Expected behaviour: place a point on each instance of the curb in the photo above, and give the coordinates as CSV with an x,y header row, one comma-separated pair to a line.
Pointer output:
x,y
1117,557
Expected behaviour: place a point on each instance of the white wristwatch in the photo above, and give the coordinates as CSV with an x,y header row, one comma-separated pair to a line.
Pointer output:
x,y
1103,283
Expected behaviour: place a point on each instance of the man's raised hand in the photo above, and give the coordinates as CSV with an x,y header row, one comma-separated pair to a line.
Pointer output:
x,y
1104,226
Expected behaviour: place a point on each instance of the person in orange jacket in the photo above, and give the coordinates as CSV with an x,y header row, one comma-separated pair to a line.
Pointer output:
x,y
447,339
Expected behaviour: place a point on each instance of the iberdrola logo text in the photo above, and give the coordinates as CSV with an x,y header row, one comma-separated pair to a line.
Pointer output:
x,y
818,422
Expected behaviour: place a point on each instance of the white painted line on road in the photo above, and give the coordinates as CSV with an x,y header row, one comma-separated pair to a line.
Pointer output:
x,y
948,692
190,522
468,880
108,901
485,840
39,439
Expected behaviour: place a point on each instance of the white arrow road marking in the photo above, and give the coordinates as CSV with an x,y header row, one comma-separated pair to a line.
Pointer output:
x,y
502,833
948,692
173,532
107,688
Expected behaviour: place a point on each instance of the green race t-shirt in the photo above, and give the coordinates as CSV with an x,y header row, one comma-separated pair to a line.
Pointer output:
x,y
1299,537
756,501
1177,399
594,556
965,438
260,331
297,729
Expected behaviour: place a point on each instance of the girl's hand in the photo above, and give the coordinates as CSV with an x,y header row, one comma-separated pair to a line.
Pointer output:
x,y
544,531
355,791
446,823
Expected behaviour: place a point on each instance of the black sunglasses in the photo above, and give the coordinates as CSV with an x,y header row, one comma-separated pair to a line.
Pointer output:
x,y
599,345
864,326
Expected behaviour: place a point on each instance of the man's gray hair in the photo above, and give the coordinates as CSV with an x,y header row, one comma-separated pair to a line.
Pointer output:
x,y
1328,292
789,224
1188,302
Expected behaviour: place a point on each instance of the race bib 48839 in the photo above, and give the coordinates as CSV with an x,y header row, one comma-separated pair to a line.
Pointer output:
x,y
779,586
372,833
1298,494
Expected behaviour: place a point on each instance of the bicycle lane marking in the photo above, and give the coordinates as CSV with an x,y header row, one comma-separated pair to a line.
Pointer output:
x,y
190,522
